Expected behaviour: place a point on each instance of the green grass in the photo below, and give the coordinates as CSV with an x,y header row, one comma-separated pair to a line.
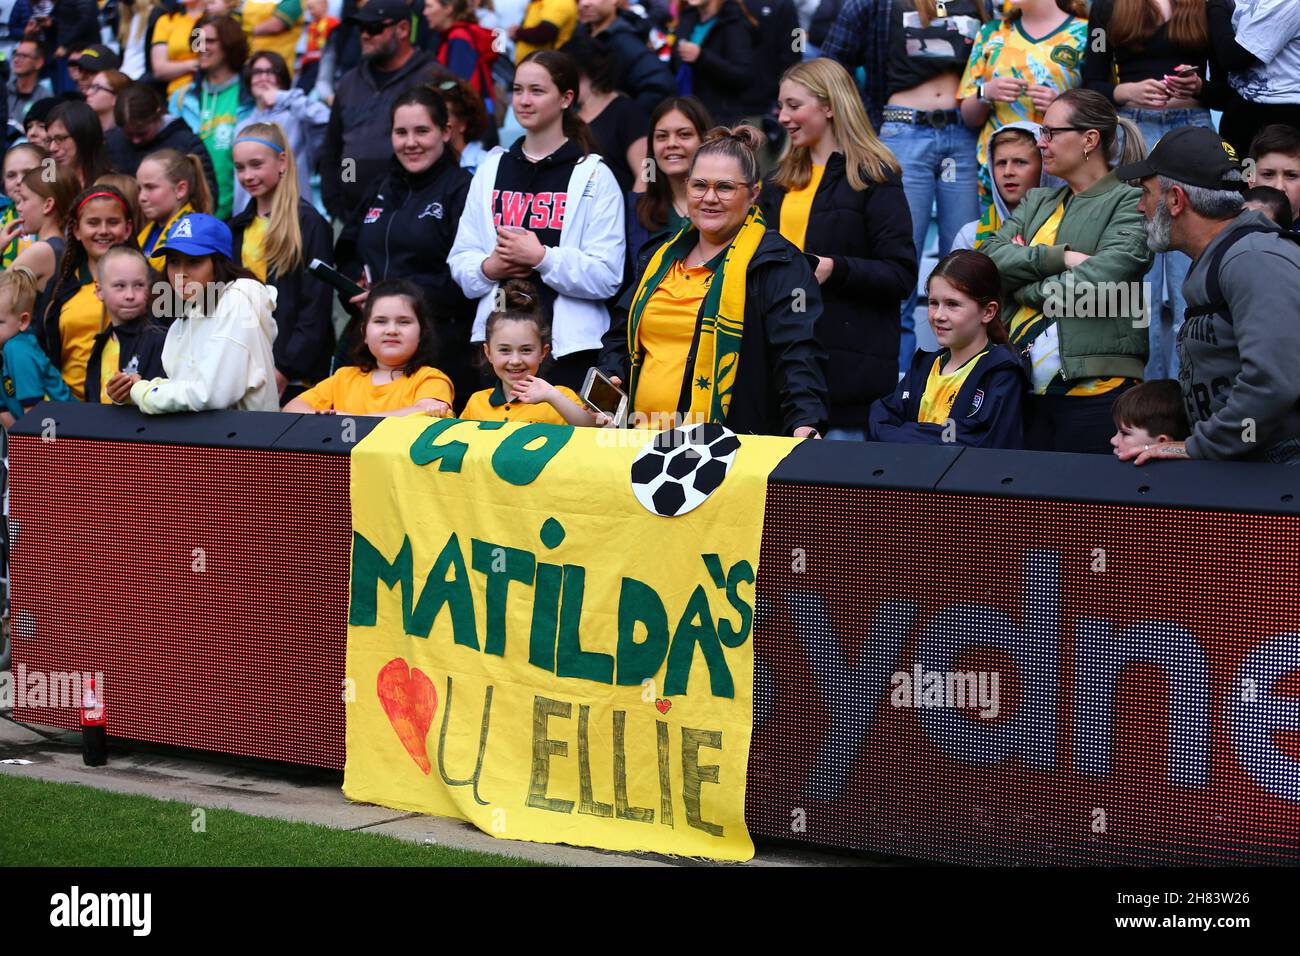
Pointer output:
x,y
63,824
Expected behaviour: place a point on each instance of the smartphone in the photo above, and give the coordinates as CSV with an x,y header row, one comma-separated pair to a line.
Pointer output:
x,y
601,395
1185,70
328,274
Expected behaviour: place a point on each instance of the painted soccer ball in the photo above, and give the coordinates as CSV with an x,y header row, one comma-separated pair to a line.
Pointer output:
x,y
677,471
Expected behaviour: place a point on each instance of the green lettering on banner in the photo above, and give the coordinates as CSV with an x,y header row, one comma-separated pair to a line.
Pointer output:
x,y
693,775
586,802
546,617
454,592
624,809
696,627
665,774
543,749
448,455
637,660
519,566
515,462
570,659
369,567
741,572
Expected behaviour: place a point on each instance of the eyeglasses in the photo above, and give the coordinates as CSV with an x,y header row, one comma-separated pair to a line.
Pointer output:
x,y
1049,132
262,71
96,88
725,190
53,138
371,29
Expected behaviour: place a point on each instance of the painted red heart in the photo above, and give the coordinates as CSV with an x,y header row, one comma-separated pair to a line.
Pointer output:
x,y
663,705
410,702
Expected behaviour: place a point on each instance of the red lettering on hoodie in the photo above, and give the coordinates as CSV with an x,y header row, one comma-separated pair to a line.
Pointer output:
x,y
541,211
557,210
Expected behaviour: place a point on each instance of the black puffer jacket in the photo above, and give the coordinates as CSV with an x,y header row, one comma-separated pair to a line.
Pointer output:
x,y
868,235
304,342
781,383
723,74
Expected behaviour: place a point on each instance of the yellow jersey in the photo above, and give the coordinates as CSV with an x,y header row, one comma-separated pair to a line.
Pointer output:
x,y
351,391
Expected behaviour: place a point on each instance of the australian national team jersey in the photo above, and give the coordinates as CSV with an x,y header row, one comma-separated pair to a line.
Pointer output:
x,y
941,389
919,51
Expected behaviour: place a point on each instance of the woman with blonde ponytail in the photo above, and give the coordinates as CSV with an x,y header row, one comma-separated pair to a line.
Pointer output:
x,y
1072,261
276,236
838,195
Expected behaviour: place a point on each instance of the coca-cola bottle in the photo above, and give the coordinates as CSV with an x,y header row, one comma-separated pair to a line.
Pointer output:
x,y
94,727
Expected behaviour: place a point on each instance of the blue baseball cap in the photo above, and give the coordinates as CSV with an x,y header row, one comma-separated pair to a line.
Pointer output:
x,y
197,234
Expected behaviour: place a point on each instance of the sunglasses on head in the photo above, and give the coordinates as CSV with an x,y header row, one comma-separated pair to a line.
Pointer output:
x,y
371,29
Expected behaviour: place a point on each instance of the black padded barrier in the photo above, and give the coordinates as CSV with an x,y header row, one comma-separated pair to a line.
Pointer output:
x,y
226,429
872,465
326,434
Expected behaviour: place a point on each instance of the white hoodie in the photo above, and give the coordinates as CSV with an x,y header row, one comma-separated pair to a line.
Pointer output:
x,y
218,361
585,269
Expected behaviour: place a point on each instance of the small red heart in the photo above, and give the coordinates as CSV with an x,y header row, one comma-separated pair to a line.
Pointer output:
x,y
410,701
663,705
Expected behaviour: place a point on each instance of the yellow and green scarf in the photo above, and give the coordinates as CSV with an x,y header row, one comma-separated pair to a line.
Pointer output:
x,y
721,322
988,224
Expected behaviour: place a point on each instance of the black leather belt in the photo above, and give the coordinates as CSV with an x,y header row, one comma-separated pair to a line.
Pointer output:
x,y
935,119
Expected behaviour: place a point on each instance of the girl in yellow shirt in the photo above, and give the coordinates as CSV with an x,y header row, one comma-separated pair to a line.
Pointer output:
x,y
394,373
517,341
171,185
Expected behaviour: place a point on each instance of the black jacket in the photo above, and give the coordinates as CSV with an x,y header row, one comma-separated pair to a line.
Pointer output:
x,y
357,142
986,413
641,74
777,23
77,24
723,75
405,228
140,348
868,235
126,156
304,341
780,385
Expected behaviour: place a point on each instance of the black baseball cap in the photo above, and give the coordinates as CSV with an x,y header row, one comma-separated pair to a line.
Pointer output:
x,y
382,11
1194,155
95,59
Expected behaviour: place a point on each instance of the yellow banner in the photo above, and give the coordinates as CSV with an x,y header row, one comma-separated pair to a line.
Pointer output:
x,y
532,649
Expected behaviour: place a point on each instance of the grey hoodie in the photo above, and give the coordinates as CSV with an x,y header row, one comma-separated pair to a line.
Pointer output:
x,y
1241,376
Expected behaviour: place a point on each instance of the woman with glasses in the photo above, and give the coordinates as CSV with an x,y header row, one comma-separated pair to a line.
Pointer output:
x,y
216,103
101,95
1072,261
838,196
549,211
722,324
406,225
267,77
76,140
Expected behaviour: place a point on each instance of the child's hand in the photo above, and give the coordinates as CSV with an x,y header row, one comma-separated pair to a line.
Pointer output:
x,y
11,232
433,407
326,411
520,248
119,387
532,390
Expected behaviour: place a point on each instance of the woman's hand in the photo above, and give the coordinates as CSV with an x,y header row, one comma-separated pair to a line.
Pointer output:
x,y
824,268
497,269
519,247
1145,94
1186,85
1004,89
1042,96
687,51
119,387
806,431
532,390
1169,449
1073,258
11,232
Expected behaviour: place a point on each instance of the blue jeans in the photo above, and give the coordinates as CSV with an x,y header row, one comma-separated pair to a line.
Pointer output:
x,y
1168,272
939,168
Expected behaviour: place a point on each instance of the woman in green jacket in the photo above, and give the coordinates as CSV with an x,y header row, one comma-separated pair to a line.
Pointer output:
x,y
1072,261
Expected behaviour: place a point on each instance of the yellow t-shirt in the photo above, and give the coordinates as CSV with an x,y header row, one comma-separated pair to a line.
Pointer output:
x,y
797,207
563,13
251,252
109,365
80,320
941,390
151,237
175,30
490,405
351,391
288,12
667,328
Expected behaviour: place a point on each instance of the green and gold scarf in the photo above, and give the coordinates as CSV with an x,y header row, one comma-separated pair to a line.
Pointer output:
x,y
722,316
